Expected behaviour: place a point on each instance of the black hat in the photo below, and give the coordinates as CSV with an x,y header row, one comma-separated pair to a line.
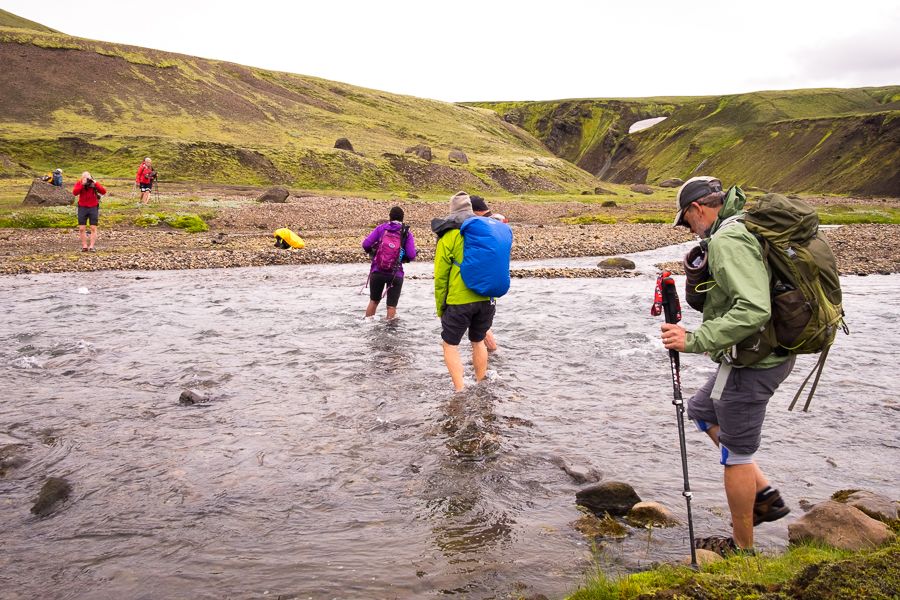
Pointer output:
x,y
478,203
692,190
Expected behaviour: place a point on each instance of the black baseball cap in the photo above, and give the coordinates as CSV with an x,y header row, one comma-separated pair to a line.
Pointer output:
x,y
692,190
478,203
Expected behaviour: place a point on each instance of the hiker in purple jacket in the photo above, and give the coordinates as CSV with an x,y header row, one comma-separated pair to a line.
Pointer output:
x,y
387,262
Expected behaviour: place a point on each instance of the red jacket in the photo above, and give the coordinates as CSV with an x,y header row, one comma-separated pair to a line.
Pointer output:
x,y
88,197
144,172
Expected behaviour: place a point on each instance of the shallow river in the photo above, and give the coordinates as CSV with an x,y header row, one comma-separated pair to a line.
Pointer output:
x,y
334,461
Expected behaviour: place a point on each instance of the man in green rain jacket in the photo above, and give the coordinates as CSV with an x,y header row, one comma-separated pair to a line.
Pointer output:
x,y
731,406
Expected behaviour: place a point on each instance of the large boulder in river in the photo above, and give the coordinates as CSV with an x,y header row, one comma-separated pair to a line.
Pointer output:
x,y
343,144
458,156
276,193
423,152
613,497
839,525
44,194
616,262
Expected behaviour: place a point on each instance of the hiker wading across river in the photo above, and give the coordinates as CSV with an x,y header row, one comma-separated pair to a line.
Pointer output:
x,y
731,405
458,307
392,245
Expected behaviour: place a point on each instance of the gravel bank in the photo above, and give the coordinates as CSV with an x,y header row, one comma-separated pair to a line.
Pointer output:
x,y
334,228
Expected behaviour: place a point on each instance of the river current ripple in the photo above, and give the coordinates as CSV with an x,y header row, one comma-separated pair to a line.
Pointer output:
x,y
333,459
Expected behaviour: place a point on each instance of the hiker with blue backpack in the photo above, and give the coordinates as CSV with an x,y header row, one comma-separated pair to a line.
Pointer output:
x,y
471,270
391,244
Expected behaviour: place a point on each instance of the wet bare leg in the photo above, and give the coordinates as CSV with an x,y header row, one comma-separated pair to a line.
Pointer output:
x,y
370,310
479,359
489,342
454,365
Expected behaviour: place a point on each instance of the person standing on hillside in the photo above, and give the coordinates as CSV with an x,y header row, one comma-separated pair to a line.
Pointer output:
x,y
144,179
458,307
386,241
731,405
88,192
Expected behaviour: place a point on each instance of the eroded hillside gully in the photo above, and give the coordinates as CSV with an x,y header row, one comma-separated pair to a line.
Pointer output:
x,y
333,459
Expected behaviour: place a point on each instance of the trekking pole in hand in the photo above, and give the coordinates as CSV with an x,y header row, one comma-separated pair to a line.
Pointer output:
x,y
666,301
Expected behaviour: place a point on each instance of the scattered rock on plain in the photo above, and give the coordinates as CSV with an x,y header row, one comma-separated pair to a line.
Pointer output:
x,y
44,194
458,156
599,191
616,262
641,188
276,194
672,183
538,162
192,397
54,491
613,497
841,526
652,513
874,505
608,204
423,152
343,144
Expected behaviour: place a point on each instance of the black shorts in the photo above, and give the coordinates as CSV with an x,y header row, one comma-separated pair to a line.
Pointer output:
x,y
88,213
146,187
377,283
477,317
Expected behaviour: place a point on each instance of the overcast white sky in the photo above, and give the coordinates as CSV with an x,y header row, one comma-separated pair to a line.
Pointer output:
x,y
458,50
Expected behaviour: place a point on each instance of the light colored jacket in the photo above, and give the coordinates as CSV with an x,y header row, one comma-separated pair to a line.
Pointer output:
x,y
739,303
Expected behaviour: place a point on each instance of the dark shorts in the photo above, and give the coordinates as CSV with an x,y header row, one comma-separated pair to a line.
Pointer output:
x,y
88,213
741,410
477,317
146,187
376,288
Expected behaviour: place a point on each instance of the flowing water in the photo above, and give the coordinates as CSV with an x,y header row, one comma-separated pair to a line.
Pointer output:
x,y
333,459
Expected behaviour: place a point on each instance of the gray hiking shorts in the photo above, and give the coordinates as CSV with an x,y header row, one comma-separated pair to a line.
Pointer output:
x,y
741,410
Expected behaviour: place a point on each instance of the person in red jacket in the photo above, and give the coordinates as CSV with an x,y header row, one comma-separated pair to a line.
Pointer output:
x,y
88,192
144,178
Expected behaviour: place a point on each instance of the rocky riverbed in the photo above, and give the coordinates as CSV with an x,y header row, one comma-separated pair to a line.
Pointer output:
x,y
333,229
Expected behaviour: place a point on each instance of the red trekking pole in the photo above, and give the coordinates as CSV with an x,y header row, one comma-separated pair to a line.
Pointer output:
x,y
666,301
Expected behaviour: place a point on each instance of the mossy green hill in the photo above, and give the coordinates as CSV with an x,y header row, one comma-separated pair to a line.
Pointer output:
x,y
839,141
7,19
82,104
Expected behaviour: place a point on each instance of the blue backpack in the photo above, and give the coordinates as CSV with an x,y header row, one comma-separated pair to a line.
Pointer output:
x,y
486,247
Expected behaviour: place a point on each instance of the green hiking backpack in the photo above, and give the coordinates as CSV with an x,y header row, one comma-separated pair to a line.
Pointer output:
x,y
806,291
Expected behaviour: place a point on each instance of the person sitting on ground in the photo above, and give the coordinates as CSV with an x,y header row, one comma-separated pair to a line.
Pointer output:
x,y
144,179
54,178
458,307
480,208
88,192
731,405
391,276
